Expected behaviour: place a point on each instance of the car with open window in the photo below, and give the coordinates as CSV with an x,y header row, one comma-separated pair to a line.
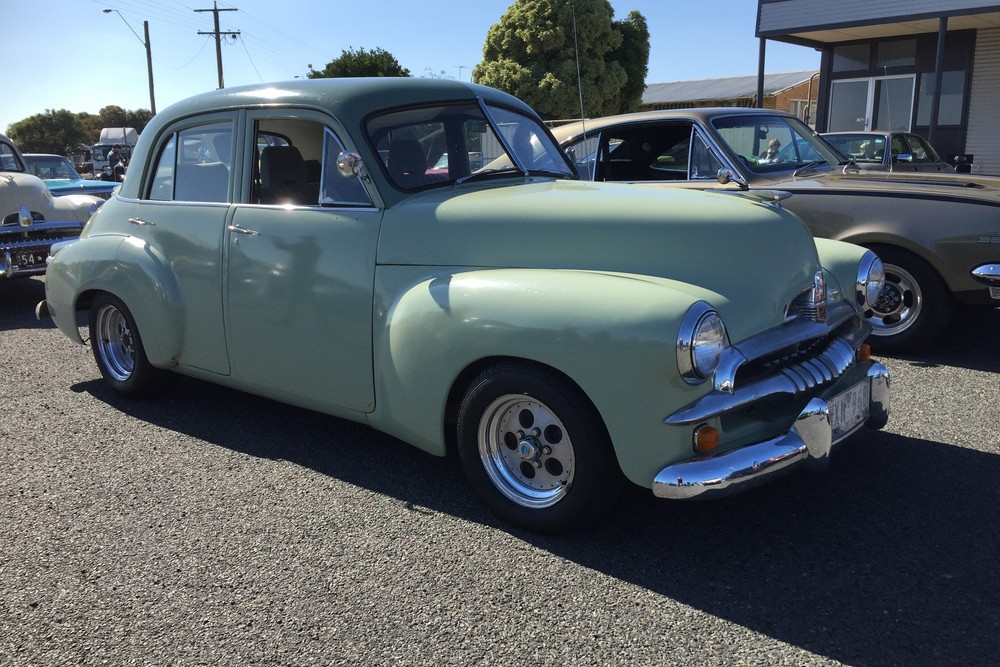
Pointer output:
x,y
62,178
938,234
31,219
304,241
889,151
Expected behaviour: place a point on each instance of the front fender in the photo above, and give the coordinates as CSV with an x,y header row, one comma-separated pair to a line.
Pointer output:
x,y
132,271
613,335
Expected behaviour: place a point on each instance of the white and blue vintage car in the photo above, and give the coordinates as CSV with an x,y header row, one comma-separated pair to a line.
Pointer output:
x,y
304,241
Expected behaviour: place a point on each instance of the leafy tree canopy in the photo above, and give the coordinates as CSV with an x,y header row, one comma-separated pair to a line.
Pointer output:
x,y
532,54
62,131
351,63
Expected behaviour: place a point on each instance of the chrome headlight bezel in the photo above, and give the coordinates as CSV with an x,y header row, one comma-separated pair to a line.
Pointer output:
x,y
870,281
700,343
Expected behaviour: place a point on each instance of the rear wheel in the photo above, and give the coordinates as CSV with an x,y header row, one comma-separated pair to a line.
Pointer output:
x,y
118,350
534,449
914,305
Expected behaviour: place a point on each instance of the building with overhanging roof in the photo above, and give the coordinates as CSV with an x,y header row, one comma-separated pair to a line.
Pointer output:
x,y
925,66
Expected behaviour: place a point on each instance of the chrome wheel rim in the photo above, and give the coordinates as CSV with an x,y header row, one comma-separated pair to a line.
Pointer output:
x,y
526,451
115,343
899,305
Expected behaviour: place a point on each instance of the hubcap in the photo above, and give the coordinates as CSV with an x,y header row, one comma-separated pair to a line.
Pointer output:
x,y
115,343
526,451
899,305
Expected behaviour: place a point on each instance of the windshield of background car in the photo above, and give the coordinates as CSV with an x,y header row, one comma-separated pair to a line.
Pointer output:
x,y
8,158
51,168
769,144
436,145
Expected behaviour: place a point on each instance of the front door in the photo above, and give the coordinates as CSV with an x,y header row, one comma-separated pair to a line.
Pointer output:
x,y
301,266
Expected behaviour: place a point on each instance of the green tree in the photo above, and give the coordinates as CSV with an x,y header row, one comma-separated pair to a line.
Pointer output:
x,y
57,132
351,63
532,54
633,56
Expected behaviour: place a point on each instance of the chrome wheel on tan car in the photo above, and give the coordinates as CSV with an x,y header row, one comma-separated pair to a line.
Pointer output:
x,y
914,305
533,449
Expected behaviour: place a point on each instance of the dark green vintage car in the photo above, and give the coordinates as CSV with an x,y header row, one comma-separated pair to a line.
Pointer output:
x,y
304,241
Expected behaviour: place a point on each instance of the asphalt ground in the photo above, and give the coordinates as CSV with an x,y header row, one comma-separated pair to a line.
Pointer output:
x,y
209,527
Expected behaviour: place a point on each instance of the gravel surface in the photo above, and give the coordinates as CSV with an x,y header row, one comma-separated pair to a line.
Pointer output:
x,y
210,527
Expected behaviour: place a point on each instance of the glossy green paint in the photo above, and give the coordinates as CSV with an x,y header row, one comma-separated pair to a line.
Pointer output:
x,y
381,313
613,335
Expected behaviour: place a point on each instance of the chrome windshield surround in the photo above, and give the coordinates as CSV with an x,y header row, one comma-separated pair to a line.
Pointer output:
x,y
792,375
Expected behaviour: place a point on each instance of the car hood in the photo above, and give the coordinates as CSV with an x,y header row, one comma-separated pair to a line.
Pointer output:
x,y
62,186
17,189
922,184
753,257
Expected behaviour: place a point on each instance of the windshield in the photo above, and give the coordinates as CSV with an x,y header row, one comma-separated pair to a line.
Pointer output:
x,y
768,144
51,167
446,144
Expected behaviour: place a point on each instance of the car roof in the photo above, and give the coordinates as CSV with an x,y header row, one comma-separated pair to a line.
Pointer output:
x,y
349,99
704,114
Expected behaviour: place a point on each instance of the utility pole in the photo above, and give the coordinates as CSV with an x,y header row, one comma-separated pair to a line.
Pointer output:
x,y
218,35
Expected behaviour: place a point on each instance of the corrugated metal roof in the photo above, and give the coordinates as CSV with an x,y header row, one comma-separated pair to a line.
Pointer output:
x,y
721,88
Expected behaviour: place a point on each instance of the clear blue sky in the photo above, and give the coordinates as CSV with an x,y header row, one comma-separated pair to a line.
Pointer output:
x,y
71,55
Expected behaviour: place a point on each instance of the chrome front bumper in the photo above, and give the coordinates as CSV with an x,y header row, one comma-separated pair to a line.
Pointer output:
x,y
809,441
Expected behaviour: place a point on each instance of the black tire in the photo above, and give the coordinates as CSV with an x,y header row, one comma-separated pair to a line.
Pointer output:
x,y
914,306
118,350
534,449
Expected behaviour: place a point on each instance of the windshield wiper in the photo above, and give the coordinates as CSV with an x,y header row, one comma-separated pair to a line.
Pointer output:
x,y
485,173
809,166
549,172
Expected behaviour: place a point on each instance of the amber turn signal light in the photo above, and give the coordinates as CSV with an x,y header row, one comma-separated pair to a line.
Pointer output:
x,y
864,352
706,438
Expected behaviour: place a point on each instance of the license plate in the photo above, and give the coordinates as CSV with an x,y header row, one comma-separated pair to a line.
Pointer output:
x,y
995,292
849,409
29,259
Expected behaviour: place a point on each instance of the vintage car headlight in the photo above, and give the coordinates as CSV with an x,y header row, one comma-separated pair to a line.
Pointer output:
x,y
700,343
871,280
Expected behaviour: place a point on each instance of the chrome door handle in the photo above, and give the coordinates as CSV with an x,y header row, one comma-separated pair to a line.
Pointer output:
x,y
141,223
242,230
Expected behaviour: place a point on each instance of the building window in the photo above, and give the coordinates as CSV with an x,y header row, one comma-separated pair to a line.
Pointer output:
x,y
852,57
952,95
804,110
897,53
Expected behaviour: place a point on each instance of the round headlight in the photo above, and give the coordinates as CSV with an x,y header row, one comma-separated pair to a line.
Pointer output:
x,y
700,343
871,280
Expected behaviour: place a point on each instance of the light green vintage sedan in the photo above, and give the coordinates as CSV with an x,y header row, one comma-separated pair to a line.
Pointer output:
x,y
305,242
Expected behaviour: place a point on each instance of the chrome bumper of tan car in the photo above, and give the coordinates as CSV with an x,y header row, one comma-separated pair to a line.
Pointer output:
x,y
821,425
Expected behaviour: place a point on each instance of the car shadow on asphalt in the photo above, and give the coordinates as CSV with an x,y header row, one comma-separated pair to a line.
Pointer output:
x,y
888,558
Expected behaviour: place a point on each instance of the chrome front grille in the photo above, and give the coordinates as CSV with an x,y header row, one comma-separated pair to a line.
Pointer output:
x,y
796,357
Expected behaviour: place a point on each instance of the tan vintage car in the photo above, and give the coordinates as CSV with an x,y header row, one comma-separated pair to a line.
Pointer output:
x,y
32,218
938,234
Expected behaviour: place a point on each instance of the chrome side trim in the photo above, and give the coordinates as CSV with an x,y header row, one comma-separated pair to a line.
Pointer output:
x,y
808,442
988,274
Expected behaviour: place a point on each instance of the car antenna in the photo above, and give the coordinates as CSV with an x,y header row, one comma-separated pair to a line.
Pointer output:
x,y
579,80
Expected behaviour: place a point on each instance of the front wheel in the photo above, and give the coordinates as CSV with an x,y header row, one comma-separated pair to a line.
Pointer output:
x,y
118,350
534,449
914,305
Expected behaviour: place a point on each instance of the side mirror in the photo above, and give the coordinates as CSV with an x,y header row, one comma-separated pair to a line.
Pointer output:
x,y
349,164
727,176
902,157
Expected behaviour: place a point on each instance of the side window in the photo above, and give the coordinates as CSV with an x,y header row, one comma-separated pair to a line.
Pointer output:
x,y
295,164
194,165
336,188
8,159
704,163
583,155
